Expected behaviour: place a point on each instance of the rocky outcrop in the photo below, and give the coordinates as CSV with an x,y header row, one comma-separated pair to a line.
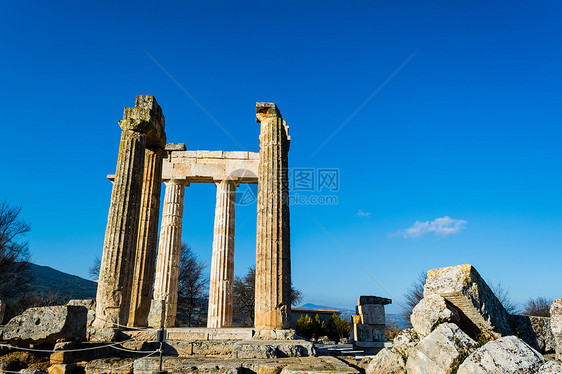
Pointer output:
x,y
507,355
534,331
387,362
441,351
551,367
430,312
47,325
405,342
556,326
480,310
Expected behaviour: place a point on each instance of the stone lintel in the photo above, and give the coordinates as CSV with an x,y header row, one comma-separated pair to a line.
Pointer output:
x,y
266,110
146,117
175,147
366,300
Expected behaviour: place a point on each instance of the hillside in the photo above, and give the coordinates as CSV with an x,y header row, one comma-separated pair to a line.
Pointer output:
x,y
47,279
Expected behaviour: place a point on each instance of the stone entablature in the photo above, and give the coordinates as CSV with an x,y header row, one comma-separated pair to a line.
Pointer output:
x,y
127,282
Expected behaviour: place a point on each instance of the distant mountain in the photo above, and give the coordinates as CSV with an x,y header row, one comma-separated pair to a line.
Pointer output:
x,y
47,279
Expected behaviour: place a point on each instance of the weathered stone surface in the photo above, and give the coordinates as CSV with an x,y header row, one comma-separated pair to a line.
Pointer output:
x,y
273,253
441,351
480,310
430,312
90,304
369,333
32,371
222,264
365,300
534,331
507,355
273,349
387,362
111,365
63,369
102,335
47,324
551,367
556,326
145,255
267,334
372,314
405,342
142,126
2,310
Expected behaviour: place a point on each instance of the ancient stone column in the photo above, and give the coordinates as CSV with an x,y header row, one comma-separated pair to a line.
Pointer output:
x,y
169,254
222,264
273,255
143,272
141,125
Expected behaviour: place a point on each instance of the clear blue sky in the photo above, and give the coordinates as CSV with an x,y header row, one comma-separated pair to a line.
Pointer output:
x,y
449,109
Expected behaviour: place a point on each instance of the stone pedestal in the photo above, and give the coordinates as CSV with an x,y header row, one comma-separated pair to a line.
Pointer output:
x,y
143,272
169,253
222,265
369,323
273,258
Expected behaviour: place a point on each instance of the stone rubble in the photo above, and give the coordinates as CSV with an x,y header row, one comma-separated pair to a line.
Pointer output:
x,y
387,362
430,312
507,355
441,351
556,326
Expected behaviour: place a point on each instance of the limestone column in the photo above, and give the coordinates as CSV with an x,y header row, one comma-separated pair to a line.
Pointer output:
x,y
143,272
112,299
222,264
273,257
141,125
169,254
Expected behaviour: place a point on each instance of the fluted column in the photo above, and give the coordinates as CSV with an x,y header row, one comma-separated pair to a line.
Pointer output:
x,y
222,264
121,233
273,257
169,254
143,272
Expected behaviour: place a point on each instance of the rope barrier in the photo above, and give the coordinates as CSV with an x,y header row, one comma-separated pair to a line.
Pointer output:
x,y
67,350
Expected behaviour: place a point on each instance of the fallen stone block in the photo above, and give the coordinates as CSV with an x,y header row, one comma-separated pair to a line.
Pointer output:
x,y
432,311
405,342
369,333
507,355
273,349
32,371
387,362
47,325
551,367
556,326
480,310
534,331
63,369
441,351
90,304
111,365
102,335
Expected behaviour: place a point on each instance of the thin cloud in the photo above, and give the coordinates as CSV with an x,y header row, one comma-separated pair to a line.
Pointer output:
x,y
439,227
361,213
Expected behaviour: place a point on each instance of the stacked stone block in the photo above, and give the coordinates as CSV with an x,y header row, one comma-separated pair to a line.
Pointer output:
x,y
369,323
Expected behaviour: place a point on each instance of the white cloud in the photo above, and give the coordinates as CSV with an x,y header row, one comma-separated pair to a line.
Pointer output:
x,y
440,227
361,213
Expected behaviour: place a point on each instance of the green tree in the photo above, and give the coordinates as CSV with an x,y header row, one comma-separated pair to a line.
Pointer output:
x,y
244,290
193,296
338,328
305,327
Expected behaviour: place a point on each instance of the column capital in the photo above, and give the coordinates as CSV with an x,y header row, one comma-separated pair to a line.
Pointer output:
x,y
234,181
266,110
146,117
176,180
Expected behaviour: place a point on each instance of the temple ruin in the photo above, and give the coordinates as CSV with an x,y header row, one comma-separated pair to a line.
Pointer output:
x,y
132,290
